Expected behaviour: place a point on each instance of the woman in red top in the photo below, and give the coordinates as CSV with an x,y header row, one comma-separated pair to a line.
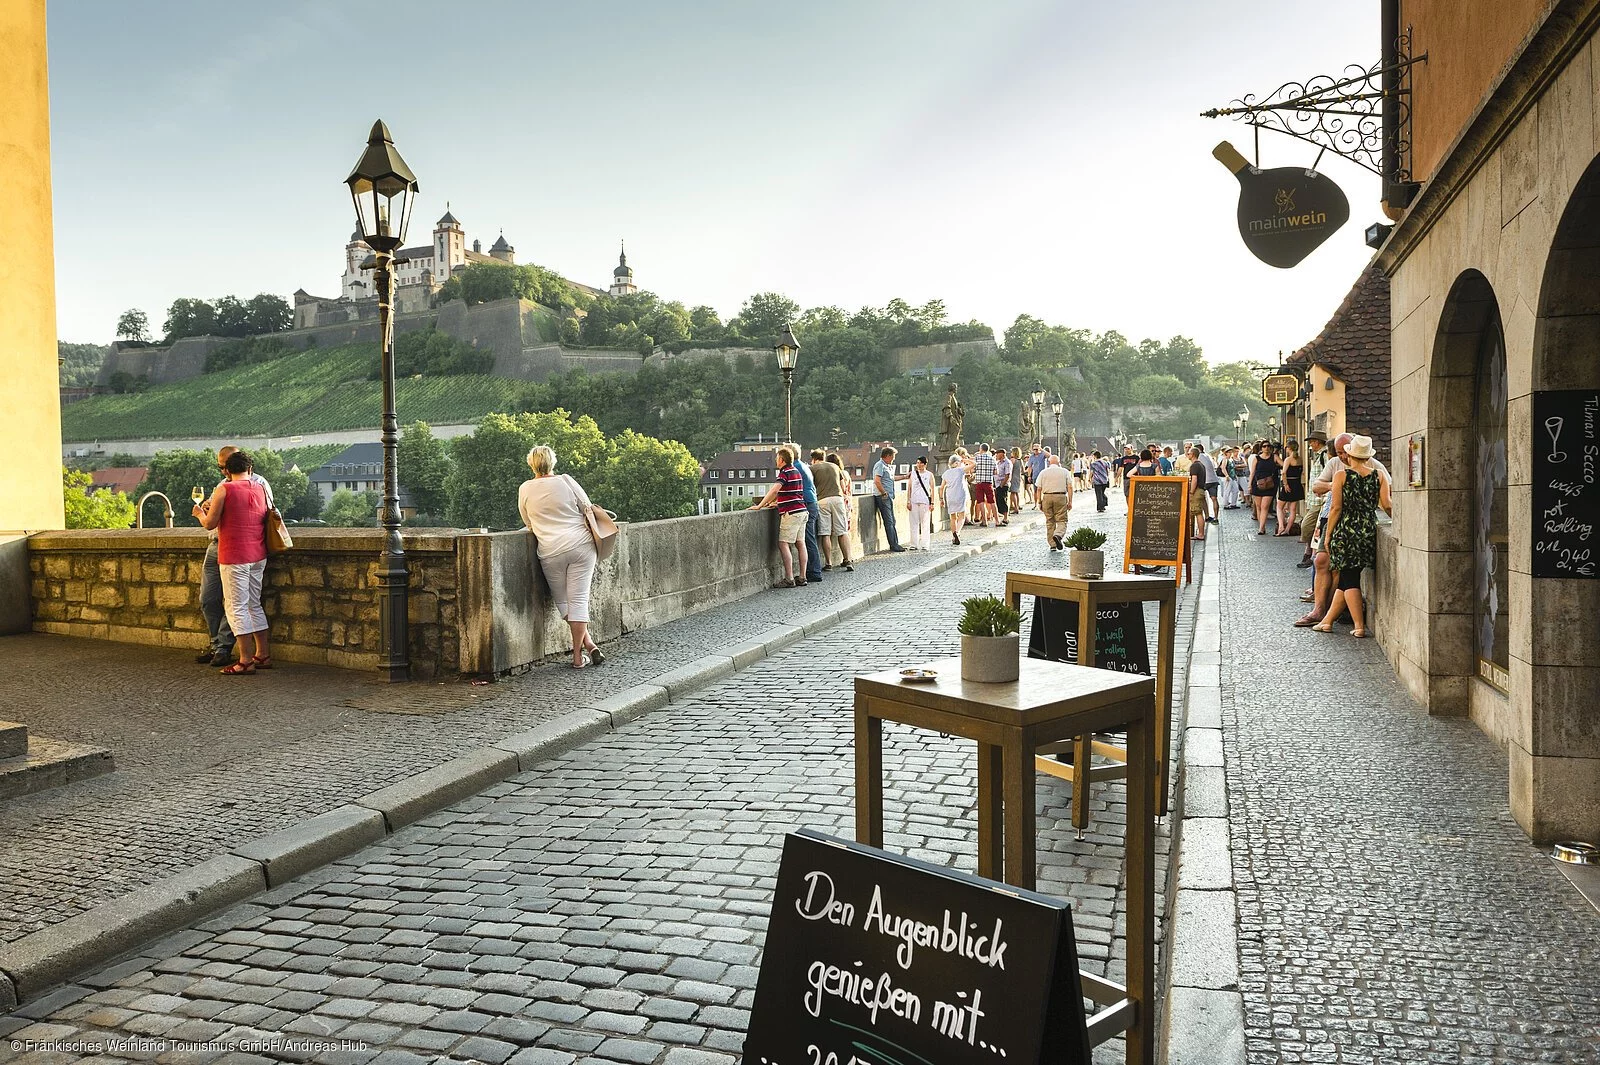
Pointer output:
x,y
238,511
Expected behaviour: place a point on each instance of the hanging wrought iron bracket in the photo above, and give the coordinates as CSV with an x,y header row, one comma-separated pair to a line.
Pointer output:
x,y
1341,115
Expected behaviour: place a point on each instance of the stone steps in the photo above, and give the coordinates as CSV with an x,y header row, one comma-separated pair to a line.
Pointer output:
x,y
33,764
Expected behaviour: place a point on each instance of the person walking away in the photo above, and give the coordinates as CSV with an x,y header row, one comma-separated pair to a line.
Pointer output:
x,y
813,572
1055,494
919,503
1264,477
983,472
1197,494
1316,460
237,510
1211,482
1002,485
883,495
831,509
1291,492
1080,470
1019,469
1036,464
1358,490
1100,480
787,496
219,649
847,490
953,491
554,509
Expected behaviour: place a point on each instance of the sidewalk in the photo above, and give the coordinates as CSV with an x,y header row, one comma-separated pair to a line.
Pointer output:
x,y
206,764
1388,908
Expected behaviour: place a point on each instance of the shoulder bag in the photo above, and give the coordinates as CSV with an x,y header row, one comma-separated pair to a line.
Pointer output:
x,y
602,525
278,538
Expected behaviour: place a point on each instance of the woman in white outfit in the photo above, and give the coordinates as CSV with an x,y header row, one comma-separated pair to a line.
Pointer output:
x,y
553,509
953,490
919,500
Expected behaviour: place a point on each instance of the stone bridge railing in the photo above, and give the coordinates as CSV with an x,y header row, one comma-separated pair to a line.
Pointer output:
x,y
478,603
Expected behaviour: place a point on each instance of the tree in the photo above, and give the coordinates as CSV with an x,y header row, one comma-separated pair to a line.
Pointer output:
x,y
134,325
645,479
231,316
492,461
705,326
189,318
763,317
289,486
352,510
80,363
267,313
175,473
424,468
104,509
120,381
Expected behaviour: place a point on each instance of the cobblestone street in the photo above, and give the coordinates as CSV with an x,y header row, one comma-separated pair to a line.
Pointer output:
x,y
610,904
1390,908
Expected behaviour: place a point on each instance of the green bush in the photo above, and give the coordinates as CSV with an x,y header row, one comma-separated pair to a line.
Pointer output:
x,y
1084,538
986,615
246,352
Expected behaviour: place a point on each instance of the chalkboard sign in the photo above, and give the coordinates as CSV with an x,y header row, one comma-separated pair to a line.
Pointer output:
x,y
878,959
1119,637
1566,499
1158,522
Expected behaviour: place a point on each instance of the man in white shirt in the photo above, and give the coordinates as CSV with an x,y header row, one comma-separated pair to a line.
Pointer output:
x,y
1055,499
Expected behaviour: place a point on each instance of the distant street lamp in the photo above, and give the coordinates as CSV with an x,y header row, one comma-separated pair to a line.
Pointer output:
x,y
1238,430
1272,429
382,188
788,352
1055,408
1037,398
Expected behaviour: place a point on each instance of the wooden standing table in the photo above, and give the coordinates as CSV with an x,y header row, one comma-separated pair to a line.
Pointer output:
x,y
1090,595
1048,703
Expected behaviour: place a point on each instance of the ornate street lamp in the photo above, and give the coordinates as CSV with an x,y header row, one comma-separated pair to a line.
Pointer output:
x,y
1238,430
788,351
1055,408
1036,397
1272,429
383,188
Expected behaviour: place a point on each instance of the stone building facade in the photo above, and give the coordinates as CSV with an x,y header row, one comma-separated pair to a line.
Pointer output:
x,y
1494,271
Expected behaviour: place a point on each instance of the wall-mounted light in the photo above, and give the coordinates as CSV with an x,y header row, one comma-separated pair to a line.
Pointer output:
x,y
1377,233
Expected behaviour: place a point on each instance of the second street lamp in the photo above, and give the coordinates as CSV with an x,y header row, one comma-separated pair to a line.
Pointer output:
x,y
1055,408
788,351
1037,398
382,188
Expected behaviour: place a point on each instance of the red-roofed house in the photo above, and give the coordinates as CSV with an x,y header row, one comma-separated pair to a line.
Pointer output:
x,y
124,479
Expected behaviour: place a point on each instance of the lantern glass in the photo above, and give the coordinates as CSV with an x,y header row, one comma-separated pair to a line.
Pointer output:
x,y
382,189
787,349
1037,396
1055,406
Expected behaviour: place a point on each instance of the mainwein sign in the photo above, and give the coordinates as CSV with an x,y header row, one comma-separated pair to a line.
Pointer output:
x,y
1285,213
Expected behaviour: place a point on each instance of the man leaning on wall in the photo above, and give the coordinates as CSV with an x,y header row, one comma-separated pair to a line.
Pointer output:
x,y
219,648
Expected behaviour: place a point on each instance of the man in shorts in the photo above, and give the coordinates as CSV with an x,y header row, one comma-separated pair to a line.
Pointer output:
x,y
832,516
788,497
983,473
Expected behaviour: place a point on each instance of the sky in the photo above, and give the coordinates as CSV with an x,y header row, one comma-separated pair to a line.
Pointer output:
x,y
1012,156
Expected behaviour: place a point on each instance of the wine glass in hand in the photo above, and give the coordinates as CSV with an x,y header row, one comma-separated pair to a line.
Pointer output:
x,y
196,495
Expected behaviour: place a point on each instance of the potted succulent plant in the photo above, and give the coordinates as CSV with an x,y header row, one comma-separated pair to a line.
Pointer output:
x,y
1087,561
989,641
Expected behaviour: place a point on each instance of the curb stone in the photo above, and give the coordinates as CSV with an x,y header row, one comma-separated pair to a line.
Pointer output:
x,y
35,964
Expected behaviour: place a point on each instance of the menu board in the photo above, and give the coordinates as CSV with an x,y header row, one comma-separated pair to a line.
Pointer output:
x,y
1158,522
877,959
1566,499
1120,643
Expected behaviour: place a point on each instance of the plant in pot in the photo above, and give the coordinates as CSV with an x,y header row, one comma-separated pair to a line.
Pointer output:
x,y
1087,561
989,640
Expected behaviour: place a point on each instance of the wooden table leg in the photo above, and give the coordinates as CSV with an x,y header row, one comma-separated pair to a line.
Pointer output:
x,y
869,776
1082,758
991,810
1020,816
1163,726
1141,898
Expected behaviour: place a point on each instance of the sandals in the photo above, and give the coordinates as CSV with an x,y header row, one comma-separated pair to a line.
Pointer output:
x,y
1322,628
596,658
241,668
263,662
1360,634
1308,621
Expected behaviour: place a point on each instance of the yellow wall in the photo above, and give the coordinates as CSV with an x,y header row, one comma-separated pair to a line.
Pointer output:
x,y
30,432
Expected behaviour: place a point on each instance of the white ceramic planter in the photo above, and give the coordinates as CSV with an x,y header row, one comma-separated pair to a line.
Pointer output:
x,y
991,659
1087,565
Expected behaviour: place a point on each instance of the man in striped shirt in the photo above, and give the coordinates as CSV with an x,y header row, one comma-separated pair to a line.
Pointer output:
x,y
787,497
983,472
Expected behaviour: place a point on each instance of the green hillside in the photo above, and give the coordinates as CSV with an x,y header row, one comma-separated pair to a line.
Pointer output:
x,y
308,392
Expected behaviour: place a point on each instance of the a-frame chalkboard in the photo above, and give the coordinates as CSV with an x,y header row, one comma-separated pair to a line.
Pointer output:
x,y
882,959
1158,524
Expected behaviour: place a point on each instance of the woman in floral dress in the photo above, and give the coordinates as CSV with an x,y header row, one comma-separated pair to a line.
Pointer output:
x,y
1358,490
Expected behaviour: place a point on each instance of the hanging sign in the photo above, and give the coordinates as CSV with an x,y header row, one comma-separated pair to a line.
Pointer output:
x,y
1285,213
876,958
1280,389
1566,497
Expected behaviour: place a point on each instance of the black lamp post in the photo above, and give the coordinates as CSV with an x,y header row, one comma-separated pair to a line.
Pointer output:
x,y
1244,423
1037,398
1272,430
382,188
1055,408
788,351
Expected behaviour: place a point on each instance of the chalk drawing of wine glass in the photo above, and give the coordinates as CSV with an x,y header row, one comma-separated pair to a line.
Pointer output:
x,y
1553,427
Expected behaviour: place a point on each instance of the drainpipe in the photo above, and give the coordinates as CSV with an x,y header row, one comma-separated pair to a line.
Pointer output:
x,y
1397,194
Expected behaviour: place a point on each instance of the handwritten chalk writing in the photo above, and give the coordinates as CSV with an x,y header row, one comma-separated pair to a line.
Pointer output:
x,y
987,950
1566,503
817,906
874,992
959,1021
1571,491
830,1058
1570,525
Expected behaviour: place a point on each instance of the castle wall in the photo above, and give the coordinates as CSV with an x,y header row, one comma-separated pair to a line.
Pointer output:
x,y
928,356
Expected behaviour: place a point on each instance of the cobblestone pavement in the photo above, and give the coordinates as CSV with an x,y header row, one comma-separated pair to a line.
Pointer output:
x,y
206,762
1390,908
610,904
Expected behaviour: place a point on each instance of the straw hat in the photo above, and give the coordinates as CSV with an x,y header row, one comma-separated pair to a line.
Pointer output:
x,y
1360,447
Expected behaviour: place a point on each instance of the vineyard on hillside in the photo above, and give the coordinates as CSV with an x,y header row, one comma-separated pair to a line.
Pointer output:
x,y
312,391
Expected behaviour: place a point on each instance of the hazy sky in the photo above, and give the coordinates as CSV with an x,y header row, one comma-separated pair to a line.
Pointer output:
x,y
1006,156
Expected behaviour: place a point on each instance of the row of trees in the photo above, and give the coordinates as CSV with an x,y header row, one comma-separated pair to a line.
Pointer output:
x,y
484,282
226,316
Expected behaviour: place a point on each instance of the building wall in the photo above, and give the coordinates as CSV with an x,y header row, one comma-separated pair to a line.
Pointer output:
x,y
30,435
1325,401
1501,225
1468,45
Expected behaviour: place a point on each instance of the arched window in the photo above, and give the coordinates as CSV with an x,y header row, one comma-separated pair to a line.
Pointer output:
x,y
1491,522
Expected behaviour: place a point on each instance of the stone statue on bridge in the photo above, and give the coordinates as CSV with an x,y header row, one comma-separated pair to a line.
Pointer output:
x,y
1027,431
951,417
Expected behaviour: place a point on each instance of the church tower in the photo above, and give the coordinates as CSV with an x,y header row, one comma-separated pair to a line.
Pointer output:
x,y
449,246
355,285
622,277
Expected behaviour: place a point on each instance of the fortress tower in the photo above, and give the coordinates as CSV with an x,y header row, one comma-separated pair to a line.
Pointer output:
x,y
622,277
356,286
449,246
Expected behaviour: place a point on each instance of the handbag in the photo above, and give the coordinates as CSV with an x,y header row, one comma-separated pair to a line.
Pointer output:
x,y
602,527
278,538
1266,484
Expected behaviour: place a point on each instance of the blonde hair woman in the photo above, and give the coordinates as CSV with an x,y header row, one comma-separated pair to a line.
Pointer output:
x,y
553,509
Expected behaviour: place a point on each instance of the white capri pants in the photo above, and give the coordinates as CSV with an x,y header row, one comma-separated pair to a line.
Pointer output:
x,y
569,575
241,596
921,531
